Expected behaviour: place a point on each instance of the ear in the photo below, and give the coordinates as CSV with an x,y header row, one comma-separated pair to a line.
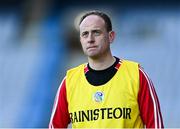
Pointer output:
x,y
111,36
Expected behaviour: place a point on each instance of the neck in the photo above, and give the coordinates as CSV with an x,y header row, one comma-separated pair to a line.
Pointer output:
x,y
102,62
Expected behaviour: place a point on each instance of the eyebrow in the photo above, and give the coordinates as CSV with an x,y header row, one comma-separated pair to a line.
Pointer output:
x,y
96,30
93,30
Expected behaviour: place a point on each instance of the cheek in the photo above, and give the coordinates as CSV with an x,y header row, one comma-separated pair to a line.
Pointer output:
x,y
105,44
104,38
82,42
83,45
104,41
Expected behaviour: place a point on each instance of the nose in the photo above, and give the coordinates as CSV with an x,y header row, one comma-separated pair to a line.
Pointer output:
x,y
91,38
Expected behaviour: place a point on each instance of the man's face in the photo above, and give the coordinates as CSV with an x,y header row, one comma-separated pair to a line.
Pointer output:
x,y
95,39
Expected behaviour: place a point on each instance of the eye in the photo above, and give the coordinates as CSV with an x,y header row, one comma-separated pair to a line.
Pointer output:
x,y
84,34
96,32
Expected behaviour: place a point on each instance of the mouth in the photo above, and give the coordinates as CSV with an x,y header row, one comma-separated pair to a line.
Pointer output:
x,y
91,47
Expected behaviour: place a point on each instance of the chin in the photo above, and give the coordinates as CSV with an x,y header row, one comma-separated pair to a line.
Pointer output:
x,y
93,56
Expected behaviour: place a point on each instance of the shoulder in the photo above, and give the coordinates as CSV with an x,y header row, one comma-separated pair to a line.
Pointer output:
x,y
130,63
76,69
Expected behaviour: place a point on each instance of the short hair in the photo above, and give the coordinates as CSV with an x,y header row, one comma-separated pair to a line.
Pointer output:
x,y
104,16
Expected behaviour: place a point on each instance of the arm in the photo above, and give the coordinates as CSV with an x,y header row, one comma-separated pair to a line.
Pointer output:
x,y
60,115
148,102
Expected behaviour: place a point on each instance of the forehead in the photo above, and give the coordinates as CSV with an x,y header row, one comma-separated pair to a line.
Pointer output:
x,y
92,21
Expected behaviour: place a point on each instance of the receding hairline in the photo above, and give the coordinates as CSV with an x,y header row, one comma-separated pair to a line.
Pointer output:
x,y
96,19
90,16
105,17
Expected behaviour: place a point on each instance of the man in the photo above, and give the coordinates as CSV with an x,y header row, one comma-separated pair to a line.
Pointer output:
x,y
107,92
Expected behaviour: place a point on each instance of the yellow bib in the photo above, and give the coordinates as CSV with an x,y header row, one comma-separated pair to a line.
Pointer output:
x,y
112,105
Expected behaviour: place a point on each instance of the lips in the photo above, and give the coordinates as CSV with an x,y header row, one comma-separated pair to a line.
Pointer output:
x,y
91,47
